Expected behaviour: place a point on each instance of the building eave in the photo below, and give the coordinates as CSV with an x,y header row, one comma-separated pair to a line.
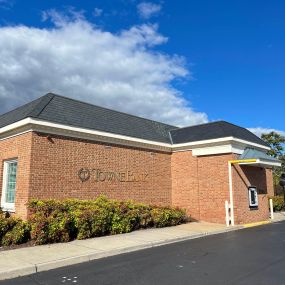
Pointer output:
x,y
31,124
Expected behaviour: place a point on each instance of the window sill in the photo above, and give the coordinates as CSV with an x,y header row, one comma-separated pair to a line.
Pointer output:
x,y
252,208
9,210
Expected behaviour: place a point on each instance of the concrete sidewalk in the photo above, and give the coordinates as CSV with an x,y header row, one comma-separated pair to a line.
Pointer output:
x,y
29,260
279,216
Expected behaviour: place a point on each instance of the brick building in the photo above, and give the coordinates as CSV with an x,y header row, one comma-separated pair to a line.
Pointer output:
x,y
56,147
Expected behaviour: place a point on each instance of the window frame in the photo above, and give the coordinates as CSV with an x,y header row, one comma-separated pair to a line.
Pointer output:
x,y
6,206
253,205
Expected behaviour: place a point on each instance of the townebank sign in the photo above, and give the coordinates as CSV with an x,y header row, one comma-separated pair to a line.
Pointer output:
x,y
99,175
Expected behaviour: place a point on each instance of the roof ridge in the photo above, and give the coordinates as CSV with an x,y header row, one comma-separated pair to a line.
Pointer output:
x,y
45,100
90,104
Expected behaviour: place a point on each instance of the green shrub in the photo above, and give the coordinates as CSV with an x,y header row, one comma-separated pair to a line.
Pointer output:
x,y
12,230
52,224
92,222
278,203
19,234
61,221
126,218
164,217
39,229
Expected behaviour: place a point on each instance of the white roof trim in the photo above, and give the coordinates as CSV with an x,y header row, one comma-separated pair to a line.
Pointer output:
x,y
262,162
94,132
218,141
175,147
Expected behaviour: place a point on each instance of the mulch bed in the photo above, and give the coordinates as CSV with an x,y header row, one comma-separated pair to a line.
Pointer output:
x,y
27,244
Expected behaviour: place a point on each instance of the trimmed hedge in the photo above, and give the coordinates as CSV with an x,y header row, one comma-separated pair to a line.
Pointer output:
x,y
278,203
61,221
54,221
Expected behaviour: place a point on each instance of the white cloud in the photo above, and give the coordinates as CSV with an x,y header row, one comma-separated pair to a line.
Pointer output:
x,y
77,59
97,12
148,9
259,131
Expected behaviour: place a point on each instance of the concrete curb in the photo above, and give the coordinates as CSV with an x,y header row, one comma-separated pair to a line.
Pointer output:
x,y
16,272
40,267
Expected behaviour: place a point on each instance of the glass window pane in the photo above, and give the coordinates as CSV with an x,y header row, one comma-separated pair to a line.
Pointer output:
x,y
11,182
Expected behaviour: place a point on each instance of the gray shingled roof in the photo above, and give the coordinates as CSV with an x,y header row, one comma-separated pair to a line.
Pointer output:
x,y
214,130
63,110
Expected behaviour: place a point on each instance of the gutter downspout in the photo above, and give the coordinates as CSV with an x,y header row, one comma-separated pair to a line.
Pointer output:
x,y
230,162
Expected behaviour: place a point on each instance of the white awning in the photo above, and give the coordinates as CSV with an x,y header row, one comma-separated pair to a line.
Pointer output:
x,y
258,158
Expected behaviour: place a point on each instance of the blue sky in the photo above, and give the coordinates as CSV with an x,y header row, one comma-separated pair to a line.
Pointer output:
x,y
218,59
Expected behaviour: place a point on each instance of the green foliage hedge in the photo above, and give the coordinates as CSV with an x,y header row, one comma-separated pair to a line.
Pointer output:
x,y
278,203
61,221
54,221
13,230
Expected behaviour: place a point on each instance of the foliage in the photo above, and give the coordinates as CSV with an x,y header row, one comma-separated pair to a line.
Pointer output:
x,y
165,217
276,142
278,203
51,222
19,234
61,221
13,230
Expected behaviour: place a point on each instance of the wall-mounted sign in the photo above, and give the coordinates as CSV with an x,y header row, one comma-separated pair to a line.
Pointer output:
x,y
99,175
84,174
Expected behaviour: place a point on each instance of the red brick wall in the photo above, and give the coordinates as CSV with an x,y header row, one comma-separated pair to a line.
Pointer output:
x,y
56,162
243,177
185,190
213,186
48,168
18,147
200,184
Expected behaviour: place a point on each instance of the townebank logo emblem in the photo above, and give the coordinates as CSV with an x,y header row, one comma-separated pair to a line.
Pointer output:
x,y
99,175
84,174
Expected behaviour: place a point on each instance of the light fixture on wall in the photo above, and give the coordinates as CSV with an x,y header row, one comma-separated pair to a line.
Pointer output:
x,y
50,139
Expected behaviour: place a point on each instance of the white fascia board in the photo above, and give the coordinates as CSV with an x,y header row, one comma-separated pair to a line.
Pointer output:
x,y
262,163
203,143
175,147
220,149
94,132
247,143
16,125
65,130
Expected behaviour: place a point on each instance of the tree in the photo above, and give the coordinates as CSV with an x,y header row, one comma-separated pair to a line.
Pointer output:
x,y
276,142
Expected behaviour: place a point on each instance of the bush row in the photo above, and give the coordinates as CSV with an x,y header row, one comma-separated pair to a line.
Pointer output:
x,y
61,221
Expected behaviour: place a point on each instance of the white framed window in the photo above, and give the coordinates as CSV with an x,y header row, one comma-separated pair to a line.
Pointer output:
x,y
9,185
252,196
